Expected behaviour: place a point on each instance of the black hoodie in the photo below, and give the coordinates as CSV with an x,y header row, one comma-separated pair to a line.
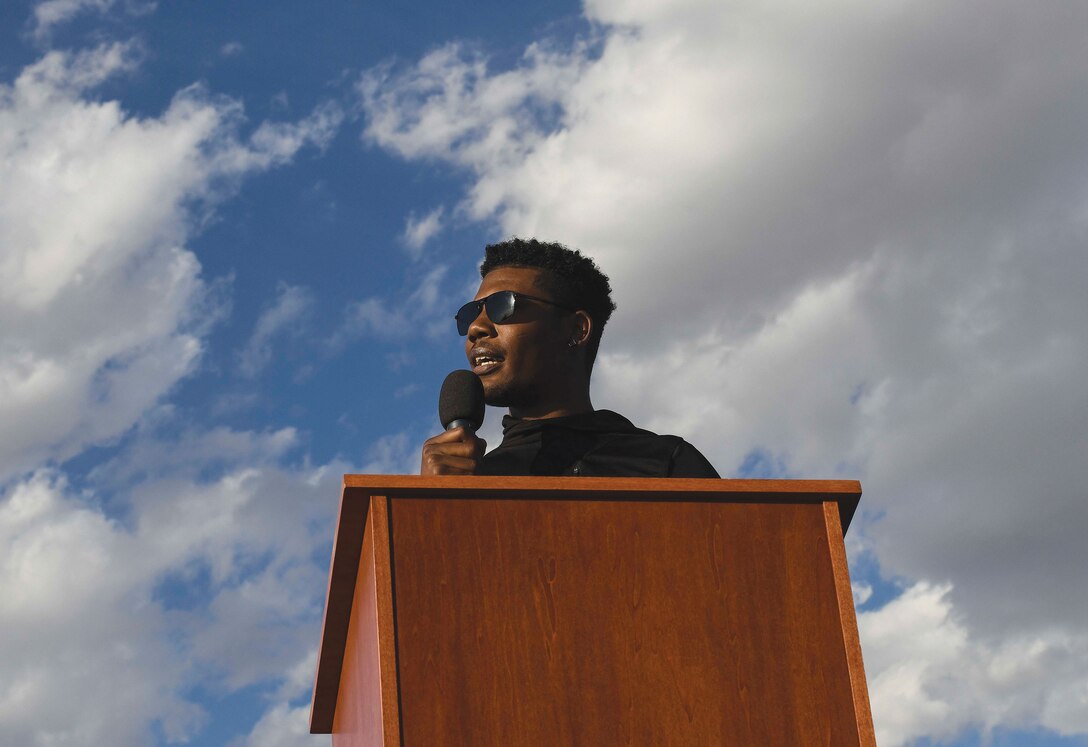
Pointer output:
x,y
594,444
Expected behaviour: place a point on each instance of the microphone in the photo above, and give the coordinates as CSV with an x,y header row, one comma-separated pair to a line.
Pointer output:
x,y
461,402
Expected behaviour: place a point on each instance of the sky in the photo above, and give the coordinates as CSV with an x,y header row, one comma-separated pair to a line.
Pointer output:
x,y
847,240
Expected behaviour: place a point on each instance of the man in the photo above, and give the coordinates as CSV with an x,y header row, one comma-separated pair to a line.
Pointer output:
x,y
531,335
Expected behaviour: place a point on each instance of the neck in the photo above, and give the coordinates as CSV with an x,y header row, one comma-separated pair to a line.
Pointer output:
x,y
574,405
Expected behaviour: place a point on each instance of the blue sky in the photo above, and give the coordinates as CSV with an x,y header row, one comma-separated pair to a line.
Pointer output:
x,y
846,240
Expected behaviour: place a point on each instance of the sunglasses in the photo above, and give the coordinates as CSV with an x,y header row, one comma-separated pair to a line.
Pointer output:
x,y
500,306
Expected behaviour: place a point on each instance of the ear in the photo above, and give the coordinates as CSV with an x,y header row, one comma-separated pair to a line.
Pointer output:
x,y
581,328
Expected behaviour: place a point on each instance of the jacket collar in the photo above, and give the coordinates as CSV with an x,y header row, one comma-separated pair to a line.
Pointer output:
x,y
597,421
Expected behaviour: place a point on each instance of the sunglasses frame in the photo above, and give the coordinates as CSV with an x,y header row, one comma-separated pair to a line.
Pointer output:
x,y
474,308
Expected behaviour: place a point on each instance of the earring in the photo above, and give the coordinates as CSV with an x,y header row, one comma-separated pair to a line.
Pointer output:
x,y
573,343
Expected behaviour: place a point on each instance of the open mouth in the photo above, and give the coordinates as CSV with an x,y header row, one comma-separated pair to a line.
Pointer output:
x,y
484,362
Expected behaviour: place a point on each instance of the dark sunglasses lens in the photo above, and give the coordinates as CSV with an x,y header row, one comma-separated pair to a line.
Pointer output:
x,y
466,315
500,306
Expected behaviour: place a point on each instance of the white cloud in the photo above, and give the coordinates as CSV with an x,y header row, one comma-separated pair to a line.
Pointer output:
x,y
283,726
191,580
69,614
450,99
276,143
929,676
185,560
850,235
104,308
218,447
290,307
419,312
48,14
394,454
418,231
370,316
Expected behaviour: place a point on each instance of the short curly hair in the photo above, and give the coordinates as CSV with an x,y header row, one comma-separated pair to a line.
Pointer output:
x,y
574,278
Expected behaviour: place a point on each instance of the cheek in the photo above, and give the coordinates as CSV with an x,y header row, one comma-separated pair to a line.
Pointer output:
x,y
540,355
530,349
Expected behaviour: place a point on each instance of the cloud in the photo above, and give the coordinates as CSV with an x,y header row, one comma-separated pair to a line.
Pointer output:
x,y
188,579
275,143
394,454
419,313
418,231
290,308
370,316
48,14
214,449
449,106
929,676
179,562
851,237
61,557
282,726
104,308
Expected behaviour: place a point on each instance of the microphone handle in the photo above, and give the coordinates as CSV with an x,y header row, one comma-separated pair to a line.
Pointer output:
x,y
462,423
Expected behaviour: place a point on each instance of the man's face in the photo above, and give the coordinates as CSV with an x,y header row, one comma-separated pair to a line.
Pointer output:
x,y
527,351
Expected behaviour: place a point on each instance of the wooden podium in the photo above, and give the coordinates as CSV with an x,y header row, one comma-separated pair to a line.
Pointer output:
x,y
591,611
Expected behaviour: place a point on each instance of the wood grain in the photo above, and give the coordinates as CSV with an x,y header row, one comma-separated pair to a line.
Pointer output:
x,y
846,493
543,622
343,570
566,611
849,626
367,711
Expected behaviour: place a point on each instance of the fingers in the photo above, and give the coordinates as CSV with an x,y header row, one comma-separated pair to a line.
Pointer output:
x,y
452,436
454,452
448,465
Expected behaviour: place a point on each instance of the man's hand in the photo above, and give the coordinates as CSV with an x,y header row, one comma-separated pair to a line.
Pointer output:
x,y
455,452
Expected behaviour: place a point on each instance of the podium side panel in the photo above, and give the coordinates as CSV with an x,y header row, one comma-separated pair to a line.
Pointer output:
x,y
618,622
851,638
367,712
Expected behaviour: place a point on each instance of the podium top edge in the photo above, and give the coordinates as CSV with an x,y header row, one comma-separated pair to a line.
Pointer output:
x,y
395,484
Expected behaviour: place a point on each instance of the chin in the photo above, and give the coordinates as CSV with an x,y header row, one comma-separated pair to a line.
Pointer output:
x,y
496,396
501,394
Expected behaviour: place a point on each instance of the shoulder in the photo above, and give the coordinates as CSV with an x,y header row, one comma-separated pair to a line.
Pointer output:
x,y
687,461
639,452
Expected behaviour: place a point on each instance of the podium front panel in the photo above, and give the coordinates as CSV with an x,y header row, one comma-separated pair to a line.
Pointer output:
x,y
544,622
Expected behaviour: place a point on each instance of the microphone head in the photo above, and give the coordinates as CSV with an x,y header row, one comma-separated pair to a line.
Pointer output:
x,y
461,399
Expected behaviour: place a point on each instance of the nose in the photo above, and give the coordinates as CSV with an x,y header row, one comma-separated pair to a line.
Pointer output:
x,y
481,326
